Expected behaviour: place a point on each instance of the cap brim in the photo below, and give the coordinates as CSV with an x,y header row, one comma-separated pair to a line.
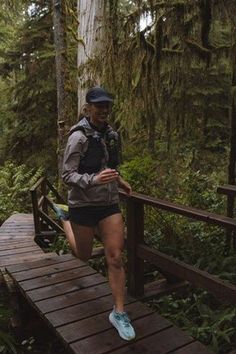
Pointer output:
x,y
101,99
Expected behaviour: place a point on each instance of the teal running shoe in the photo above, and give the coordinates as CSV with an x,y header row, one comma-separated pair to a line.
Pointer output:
x,y
61,211
121,322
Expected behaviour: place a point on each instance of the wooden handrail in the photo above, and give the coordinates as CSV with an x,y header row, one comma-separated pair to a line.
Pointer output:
x,y
40,206
195,276
37,184
137,253
227,189
193,213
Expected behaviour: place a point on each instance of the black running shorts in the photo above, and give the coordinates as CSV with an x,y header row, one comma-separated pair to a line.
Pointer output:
x,y
91,215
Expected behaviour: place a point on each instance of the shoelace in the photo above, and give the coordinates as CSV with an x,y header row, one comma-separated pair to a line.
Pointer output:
x,y
123,317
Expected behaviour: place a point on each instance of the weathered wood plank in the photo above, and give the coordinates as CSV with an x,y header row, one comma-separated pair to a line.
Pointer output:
x,y
80,311
56,278
65,287
85,328
49,259
109,341
13,238
21,258
15,250
193,348
48,270
74,298
162,342
5,246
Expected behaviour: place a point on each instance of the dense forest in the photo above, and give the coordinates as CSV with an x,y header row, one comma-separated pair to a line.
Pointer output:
x,y
171,66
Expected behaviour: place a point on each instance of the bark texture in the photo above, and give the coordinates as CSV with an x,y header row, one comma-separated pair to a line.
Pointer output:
x,y
90,31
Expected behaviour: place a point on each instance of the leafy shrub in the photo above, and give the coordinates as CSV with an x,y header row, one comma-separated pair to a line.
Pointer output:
x,y
15,182
202,316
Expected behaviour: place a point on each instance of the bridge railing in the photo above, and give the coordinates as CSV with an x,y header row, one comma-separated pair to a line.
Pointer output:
x,y
173,270
176,273
41,204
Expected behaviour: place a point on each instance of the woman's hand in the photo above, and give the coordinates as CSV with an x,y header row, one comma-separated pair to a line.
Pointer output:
x,y
106,176
124,185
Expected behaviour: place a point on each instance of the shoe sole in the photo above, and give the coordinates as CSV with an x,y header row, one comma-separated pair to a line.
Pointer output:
x,y
120,334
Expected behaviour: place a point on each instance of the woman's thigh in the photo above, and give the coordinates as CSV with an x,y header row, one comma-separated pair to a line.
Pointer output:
x,y
112,233
84,240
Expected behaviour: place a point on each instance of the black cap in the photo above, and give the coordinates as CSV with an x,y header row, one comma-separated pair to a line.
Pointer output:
x,y
98,94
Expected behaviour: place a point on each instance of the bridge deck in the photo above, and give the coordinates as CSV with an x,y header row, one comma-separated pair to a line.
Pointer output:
x,y
74,300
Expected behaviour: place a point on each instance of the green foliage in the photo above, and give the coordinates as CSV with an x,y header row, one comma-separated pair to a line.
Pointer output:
x,y
202,317
139,171
7,344
15,182
60,245
7,341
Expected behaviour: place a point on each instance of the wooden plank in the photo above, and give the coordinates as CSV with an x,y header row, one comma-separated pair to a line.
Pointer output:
x,y
30,257
81,311
64,288
15,250
56,278
196,277
48,269
162,342
76,297
227,189
21,258
4,246
85,328
193,348
109,341
13,238
49,259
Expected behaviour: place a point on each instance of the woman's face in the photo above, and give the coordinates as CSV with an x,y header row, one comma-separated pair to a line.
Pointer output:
x,y
98,112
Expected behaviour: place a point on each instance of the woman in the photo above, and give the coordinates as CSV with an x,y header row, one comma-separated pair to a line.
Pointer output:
x,y
89,169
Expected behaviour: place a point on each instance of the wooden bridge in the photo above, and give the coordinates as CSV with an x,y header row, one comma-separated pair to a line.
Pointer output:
x,y
74,300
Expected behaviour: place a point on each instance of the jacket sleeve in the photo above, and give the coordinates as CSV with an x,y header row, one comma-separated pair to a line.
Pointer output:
x,y
72,156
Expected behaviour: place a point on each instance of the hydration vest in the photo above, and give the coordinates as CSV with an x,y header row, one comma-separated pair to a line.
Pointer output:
x,y
100,151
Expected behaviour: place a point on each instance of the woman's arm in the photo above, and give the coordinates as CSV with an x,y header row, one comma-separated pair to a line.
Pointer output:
x,y
124,185
73,152
76,146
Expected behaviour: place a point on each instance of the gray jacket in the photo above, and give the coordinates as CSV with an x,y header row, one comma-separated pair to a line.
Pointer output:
x,y
83,190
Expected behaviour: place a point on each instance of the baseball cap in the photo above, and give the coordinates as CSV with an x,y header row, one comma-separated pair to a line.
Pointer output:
x,y
98,94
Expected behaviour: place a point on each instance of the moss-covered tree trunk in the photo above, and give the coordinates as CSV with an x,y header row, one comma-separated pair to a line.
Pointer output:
x,y
232,157
59,23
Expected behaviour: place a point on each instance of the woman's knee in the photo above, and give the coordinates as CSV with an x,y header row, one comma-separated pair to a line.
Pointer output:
x,y
114,259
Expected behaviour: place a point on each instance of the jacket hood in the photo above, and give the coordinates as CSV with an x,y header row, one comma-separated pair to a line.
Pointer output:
x,y
84,126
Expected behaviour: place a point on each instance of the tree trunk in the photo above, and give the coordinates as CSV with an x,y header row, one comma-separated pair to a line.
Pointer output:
x,y
61,75
232,157
90,31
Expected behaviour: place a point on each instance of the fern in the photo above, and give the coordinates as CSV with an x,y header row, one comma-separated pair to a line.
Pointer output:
x,y
15,182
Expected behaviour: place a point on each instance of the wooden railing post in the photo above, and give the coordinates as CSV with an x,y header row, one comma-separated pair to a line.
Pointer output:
x,y
44,193
135,236
34,199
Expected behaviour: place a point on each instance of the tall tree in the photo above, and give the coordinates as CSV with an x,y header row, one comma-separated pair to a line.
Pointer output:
x,y
59,23
90,18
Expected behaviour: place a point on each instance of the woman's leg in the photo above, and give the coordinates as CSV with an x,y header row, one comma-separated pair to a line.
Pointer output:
x,y
81,240
112,233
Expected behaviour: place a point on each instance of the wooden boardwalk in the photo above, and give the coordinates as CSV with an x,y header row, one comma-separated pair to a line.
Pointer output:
x,y
75,301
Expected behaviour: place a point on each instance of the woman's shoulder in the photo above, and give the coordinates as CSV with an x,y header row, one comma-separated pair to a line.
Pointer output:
x,y
78,136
